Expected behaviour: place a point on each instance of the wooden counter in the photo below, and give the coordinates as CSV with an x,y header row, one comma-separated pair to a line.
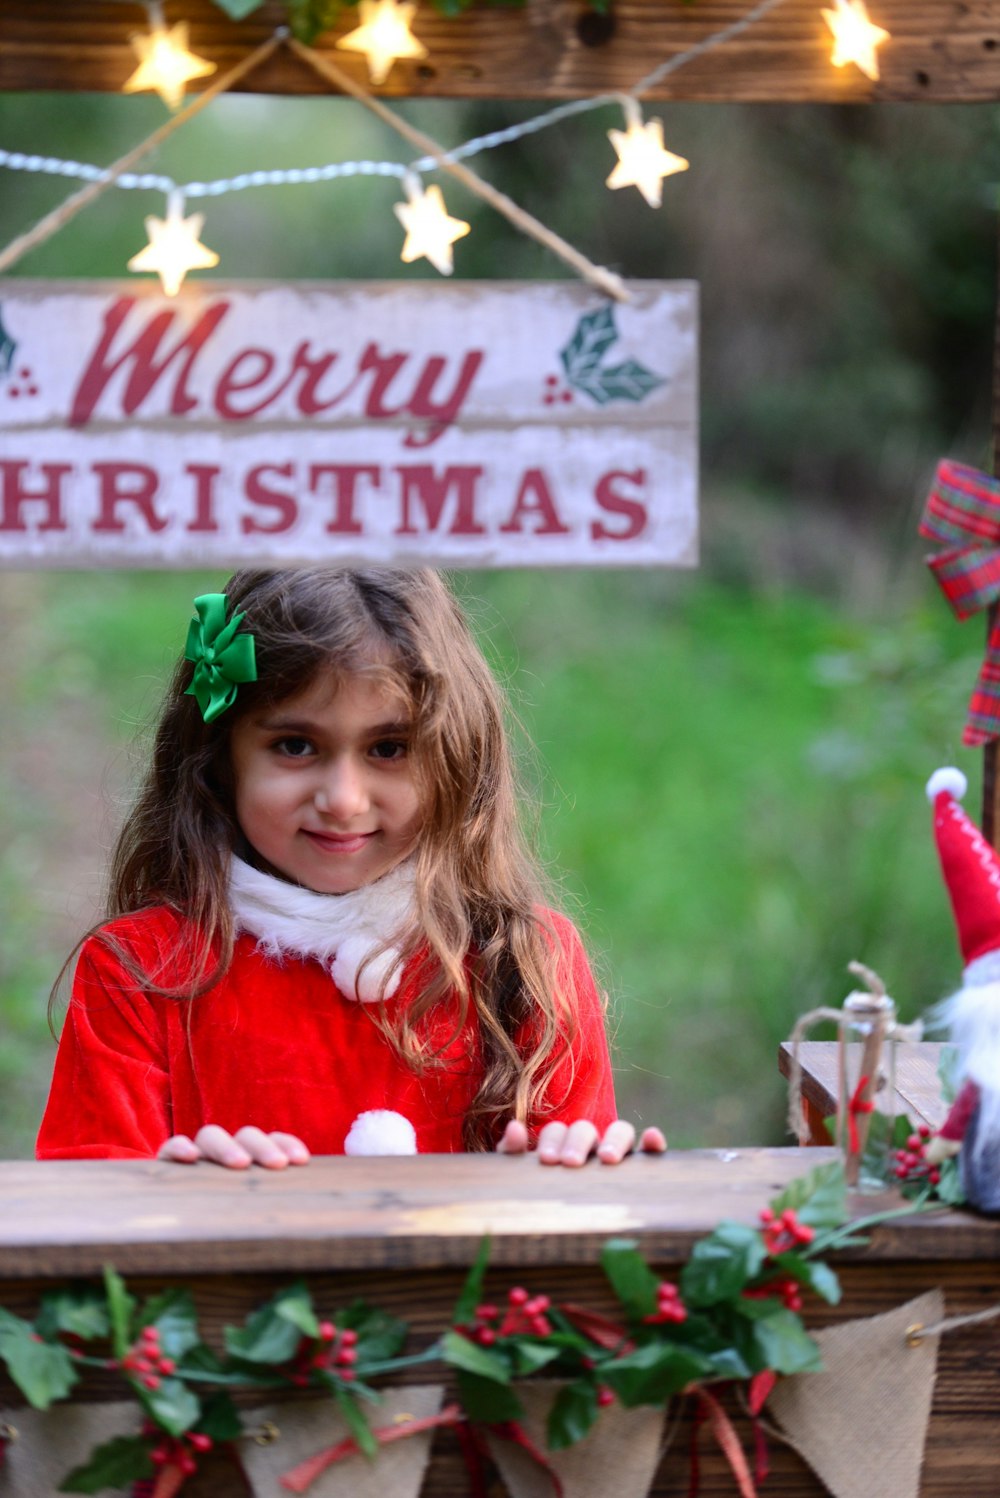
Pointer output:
x,y
402,1232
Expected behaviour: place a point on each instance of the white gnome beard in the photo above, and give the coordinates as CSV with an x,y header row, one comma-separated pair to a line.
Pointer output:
x,y
972,1018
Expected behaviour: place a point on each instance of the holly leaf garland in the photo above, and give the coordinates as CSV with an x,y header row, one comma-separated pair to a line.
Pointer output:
x,y
43,1371
308,19
115,1464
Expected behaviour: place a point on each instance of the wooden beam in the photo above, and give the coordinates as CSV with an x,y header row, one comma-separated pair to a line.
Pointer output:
x,y
941,50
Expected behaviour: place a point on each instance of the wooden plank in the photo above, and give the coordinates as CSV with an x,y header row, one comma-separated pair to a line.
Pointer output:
x,y
65,1218
941,50
918,1090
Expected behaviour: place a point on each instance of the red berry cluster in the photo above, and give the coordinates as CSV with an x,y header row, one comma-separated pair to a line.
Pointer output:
x,y
789,1292
781,1234
331,1352
145,1360
524,1317
181,1452
911,1162
669,1306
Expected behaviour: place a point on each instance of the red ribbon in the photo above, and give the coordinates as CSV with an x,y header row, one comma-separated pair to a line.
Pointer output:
x,y
301,1478
511,1430
857,1105
708,1408
963,514
600,1329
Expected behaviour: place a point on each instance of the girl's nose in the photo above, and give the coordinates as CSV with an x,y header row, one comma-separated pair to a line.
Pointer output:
x,y
341,792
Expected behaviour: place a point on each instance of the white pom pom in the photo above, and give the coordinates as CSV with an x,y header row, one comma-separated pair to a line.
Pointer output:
x,y
947,779
381,1132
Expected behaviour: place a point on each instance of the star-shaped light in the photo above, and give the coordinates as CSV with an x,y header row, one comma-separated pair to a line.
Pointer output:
x,y
384,35
855,37
430,232
166,64
174,248
642,159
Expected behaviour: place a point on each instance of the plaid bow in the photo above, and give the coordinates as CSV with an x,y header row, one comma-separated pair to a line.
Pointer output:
x,y
963,512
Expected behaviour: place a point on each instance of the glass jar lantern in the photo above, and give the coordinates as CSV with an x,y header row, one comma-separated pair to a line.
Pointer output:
x,y
866,1083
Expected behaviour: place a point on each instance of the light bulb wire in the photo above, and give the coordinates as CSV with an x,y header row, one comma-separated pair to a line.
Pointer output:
x,y
61,216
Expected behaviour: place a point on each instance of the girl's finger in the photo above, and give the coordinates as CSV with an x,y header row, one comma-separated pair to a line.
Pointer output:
x,y
653,1141
294,1150
618,1141
550,1143
180,1149
217,1144
579,1143
261,1147
515,1139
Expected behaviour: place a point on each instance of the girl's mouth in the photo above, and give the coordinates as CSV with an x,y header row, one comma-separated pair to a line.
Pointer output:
x,y
339,842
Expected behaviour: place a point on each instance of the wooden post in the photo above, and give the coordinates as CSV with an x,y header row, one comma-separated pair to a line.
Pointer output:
x,y
991,781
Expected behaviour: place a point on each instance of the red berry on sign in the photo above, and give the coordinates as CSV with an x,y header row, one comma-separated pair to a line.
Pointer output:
x,y
151,1381
327,1331
348,1338
486,1336
167,1366
187,1464
159,1456
200,1441
766,1214
348,1354
487,1313
924,1131
518,1296
605,1396
935,1177
536,1306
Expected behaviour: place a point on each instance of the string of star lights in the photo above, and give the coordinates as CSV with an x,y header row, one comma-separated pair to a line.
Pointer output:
x,y
166,65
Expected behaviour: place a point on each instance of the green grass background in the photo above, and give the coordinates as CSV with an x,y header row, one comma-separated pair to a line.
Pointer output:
x,y
730,784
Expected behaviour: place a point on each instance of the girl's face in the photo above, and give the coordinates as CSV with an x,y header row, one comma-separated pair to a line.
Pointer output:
x,y
324,785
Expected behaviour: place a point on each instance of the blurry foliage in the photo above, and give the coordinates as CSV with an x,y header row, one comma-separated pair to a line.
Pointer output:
x,y
731,761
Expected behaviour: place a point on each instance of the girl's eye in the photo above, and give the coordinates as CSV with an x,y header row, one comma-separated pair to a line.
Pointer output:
x,y
294,748
388,749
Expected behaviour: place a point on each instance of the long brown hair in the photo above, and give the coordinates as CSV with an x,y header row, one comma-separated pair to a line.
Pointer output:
x,y
479,890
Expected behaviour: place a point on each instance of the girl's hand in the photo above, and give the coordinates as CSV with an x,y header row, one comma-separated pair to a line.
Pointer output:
x,y
248,1146
573,1144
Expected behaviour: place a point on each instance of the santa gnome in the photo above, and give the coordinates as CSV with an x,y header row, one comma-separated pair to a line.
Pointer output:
x,y
971,871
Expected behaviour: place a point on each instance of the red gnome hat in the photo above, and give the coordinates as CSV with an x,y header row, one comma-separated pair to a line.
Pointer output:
x,y
970,866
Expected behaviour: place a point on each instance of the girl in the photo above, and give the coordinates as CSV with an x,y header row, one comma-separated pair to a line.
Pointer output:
x,y
325,933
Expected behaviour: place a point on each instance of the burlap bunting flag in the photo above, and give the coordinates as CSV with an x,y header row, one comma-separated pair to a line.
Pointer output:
x,y
620,1455
862,1423
50,1443
303,1430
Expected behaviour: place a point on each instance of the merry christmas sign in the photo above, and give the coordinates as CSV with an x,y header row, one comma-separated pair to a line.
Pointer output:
x,y
484,424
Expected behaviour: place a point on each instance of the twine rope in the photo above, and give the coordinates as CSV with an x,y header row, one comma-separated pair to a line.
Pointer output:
x,y
60,217
604,280
952,1323
796,1113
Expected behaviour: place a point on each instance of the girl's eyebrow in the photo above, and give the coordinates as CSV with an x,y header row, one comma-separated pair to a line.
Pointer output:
x,y
308,726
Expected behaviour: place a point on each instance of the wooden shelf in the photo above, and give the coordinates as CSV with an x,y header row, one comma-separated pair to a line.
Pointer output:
x,y
550,49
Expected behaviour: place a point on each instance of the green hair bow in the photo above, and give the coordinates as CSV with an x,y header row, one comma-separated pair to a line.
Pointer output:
x,y
222,658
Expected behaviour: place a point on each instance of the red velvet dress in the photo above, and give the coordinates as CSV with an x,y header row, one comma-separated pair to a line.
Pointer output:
x,y
275,1044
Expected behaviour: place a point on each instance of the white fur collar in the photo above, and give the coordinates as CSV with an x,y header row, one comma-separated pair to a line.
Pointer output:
x,y
340,931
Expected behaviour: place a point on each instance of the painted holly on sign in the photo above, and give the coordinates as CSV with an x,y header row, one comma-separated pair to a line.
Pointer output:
x,y
581,359
8,348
